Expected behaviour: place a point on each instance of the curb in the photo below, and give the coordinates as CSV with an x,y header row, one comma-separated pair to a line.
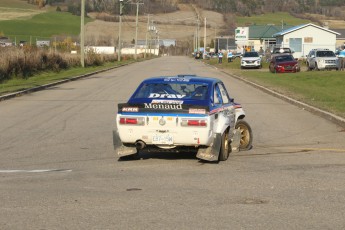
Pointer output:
x,y
42,87
322,113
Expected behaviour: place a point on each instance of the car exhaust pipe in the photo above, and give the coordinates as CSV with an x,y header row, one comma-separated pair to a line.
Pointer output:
x,y
140,144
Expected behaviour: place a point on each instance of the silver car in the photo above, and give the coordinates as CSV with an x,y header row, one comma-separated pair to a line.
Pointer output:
x,y
320,59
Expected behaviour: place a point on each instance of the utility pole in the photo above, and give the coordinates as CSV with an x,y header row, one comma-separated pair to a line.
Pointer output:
x,y
194,41
147,30
82,34
205,37
282,24
136,28
157,34
198,34
151,29
120,24
215,37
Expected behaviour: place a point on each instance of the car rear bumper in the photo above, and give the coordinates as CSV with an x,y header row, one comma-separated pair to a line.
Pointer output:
x,y
167,138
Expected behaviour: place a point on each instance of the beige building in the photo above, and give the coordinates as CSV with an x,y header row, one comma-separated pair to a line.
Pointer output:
x,y
303,38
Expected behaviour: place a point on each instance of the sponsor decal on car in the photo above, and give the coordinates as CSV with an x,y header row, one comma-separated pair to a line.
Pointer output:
x,y
177,79
163,106
214,111
165,95
197,111
167,102
130,109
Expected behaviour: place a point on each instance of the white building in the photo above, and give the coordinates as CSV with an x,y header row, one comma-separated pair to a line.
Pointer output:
x,y
5,41
42,43
303,38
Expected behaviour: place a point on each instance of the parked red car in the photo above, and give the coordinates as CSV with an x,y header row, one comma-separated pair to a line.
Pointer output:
x,y
284,63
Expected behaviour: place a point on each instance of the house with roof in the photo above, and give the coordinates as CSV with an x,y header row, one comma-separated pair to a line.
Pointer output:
x,y
303,38
340,42
257,36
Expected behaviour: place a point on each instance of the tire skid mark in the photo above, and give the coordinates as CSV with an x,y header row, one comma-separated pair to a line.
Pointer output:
x,y
33,170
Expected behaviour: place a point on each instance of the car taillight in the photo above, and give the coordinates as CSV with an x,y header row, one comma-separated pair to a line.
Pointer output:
x,y
194,122
132,121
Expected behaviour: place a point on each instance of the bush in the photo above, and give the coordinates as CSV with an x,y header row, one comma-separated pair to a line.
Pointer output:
x,y
26,61
92,58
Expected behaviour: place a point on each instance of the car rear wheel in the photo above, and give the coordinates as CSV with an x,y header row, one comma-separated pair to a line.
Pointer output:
x,y
225,147
246,135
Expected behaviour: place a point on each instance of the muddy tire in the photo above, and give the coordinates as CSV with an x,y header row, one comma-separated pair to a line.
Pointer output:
x,y
246,135
225,147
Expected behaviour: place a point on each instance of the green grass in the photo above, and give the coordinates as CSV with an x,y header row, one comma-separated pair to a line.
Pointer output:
x,y
17,4
323,89
44,25
14,85
271,18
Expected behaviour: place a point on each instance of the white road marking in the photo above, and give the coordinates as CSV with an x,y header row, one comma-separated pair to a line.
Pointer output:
x,y
34,170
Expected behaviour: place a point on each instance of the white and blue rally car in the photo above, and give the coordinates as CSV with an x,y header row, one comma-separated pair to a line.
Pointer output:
x,y
181,113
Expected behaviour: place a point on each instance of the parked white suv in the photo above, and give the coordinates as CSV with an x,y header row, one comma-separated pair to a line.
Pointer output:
x,y
320,59
251,60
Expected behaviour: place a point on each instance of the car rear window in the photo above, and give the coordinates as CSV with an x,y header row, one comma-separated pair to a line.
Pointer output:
x,y
172,91
325,53
282,50
284,58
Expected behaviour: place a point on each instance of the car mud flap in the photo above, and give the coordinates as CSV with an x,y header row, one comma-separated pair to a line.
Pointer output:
x,y
236,139
211,153
126,151
120,149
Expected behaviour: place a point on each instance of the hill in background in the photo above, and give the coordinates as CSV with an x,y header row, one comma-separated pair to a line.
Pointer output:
x,y
172,19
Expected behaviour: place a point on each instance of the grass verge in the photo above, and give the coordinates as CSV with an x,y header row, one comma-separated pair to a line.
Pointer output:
x,y
16,84
322,89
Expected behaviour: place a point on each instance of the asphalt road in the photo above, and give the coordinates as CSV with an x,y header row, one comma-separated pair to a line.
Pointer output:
x,y
58,169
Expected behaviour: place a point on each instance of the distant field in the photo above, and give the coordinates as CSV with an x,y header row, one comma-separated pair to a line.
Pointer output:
x,y
17,9
42,26
331,22
180,25
273,18
17,4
